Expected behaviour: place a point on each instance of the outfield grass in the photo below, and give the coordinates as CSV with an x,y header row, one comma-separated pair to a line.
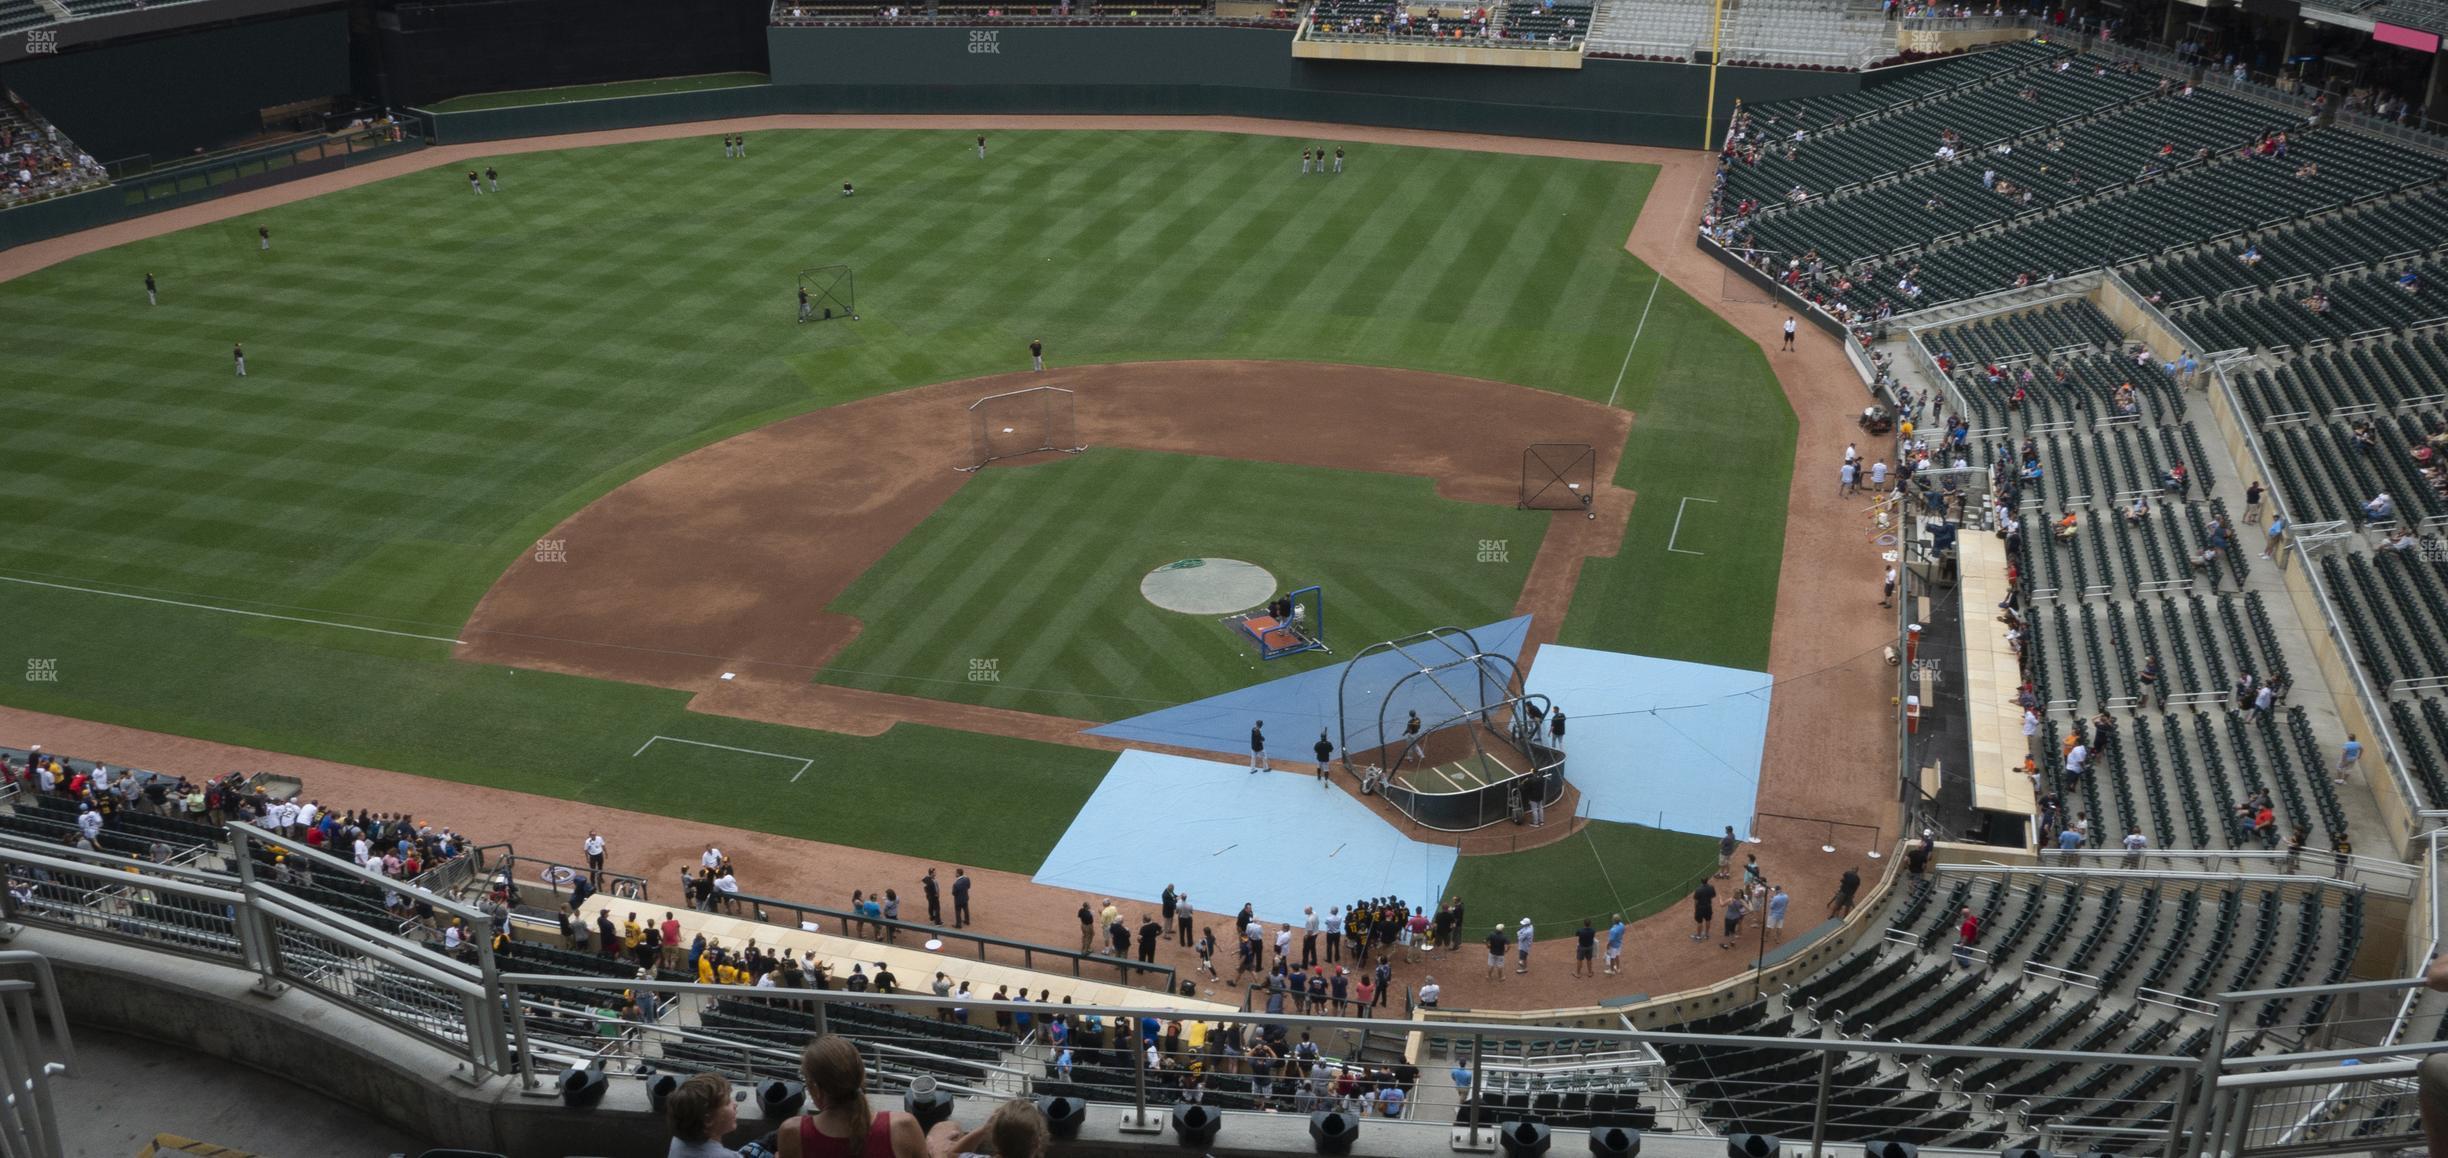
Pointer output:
x,y
1608,868
437,378
512,98
1037,571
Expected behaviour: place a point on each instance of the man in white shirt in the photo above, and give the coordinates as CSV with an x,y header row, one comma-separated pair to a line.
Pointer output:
x,y
1332,928
2136,843
101,778
2077,759
594,858
361,850
308,814
1430,992
89,822
712,858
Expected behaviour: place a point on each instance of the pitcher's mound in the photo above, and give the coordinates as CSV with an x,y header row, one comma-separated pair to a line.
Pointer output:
x,y
1208,586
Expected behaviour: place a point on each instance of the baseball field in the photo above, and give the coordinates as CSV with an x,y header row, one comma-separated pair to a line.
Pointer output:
x,y
444,387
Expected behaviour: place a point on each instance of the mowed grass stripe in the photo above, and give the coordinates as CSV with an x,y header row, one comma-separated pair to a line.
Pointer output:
x,y
1056,600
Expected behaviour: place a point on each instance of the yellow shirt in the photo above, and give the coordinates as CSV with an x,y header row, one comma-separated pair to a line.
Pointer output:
x,y
705,971
630,933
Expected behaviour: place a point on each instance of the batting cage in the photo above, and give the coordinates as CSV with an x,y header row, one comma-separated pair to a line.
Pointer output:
x,y
1558,476
1021,422
1434,723
828,292
1287,625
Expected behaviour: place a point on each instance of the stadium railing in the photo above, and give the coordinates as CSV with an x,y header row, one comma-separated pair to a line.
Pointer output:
x,y
526,1026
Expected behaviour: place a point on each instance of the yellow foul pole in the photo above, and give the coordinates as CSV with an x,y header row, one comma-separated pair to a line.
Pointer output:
x,y
1708,120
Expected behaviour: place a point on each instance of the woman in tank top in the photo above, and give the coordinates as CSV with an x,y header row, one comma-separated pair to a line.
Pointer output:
x,y
843,1126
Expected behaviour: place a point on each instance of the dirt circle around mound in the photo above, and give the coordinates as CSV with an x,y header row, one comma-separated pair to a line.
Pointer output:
x,y
1207,586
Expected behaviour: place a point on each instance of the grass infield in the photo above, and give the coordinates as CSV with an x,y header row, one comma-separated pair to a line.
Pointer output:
x,y
437,378
1608,868
1023,590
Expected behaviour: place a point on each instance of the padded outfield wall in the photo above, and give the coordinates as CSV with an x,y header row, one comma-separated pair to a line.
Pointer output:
x,y
1177,71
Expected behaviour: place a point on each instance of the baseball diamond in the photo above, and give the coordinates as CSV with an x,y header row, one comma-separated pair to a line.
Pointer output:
x,y
1495,572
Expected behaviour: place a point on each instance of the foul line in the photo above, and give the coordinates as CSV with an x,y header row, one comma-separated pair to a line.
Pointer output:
x,y
1636,333
1678,528
804,762
228,610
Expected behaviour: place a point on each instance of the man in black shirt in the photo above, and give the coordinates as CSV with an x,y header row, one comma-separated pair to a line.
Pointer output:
x,y
1585,949
805,311
493,178
151,298
934,898
1704,907
1497,943
885,982
1555,729
1848,885
1258,747
1325,755
960,897
1036,354
1149,932
1087,918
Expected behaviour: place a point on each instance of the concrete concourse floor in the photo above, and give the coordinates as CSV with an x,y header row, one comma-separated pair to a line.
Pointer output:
x,y
125,1089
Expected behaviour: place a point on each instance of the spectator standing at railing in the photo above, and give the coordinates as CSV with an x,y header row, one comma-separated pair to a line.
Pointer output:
x,y
594,848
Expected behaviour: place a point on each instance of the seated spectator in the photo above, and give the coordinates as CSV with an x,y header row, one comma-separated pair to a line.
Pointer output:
x,y
2067,526
2139,511
836,1077
700,1113
1016,1129
2410,282
2379,508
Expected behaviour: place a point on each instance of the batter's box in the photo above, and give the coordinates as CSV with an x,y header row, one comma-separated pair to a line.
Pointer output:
x,y
804,762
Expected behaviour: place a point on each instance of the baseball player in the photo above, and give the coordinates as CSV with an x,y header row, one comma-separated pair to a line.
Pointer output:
x,y
152,297
263,238
1258,746
492,179
475,183
238,352
1325,754
981,147
1036,354
1338,158
1304,162
805,311
1321,156
729,147
743,146
1411,741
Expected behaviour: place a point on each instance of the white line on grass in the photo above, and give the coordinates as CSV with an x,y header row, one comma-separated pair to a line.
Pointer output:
x,y
1636,333
1678,528
228,610
804,762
